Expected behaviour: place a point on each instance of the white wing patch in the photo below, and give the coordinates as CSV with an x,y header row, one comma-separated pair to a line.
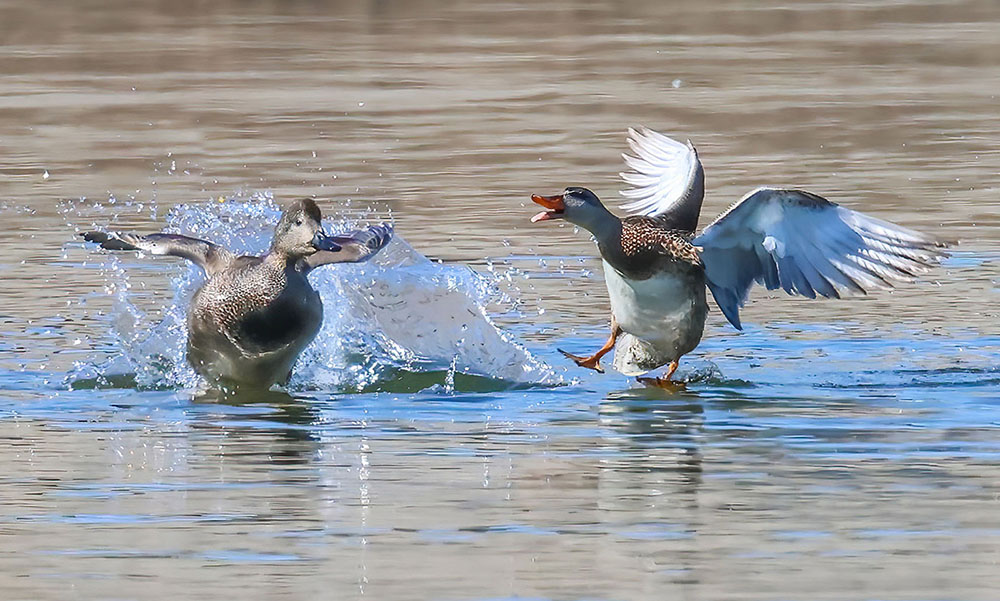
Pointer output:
x,y
662,172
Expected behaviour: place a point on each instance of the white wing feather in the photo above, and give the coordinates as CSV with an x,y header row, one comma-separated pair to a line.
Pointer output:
x,y
807,245
662,172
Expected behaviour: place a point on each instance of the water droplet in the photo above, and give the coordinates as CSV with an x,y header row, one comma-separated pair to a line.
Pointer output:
x,y
676,83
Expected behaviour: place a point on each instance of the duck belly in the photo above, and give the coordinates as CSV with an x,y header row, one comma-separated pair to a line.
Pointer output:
x,y
257,347
217,359
661,317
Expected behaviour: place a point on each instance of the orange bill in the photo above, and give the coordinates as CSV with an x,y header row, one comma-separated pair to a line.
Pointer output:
x,y
554,204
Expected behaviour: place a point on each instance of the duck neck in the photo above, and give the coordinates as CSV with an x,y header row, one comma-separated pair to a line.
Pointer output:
x,y
604,225
278,261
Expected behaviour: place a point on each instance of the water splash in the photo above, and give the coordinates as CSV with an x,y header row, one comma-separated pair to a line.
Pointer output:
x,y
397,314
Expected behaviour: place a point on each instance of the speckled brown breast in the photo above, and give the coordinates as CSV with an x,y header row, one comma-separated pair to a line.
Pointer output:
x,y
246,286
256,305
648,246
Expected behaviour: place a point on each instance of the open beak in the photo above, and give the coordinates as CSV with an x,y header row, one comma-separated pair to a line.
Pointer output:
x,y
554,204
323,242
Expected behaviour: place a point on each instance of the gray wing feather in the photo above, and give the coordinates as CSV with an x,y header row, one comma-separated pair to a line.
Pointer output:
x,y
806,245
354,248
210,257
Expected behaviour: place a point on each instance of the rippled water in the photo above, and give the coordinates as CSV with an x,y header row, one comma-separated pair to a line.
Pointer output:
x,y
836,449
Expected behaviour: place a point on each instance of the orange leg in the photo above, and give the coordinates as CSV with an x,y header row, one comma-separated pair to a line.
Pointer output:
x,y
673,368
665,382
594,361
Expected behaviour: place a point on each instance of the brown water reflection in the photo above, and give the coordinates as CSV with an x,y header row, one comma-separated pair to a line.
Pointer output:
x,y
450,114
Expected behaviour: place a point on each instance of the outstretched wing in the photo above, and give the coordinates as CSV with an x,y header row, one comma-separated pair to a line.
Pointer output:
x,y
667,179
805,244
354,248
206,255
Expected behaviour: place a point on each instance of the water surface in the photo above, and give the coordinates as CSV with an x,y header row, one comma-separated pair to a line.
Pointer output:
x,y
832,450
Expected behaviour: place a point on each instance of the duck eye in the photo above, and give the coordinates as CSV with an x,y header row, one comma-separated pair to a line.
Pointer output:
x,y
298,222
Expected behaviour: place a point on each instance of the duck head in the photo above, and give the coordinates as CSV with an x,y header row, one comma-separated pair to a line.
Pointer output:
x,y
577,205
300,231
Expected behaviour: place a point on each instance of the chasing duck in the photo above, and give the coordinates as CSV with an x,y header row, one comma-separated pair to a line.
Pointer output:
x,y
253,316
656,268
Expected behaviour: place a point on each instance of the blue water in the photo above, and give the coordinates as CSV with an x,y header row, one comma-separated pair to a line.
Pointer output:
x,y
433,444
447,430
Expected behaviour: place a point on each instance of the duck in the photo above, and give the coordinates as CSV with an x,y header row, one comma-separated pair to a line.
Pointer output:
x,y
657,268
253,316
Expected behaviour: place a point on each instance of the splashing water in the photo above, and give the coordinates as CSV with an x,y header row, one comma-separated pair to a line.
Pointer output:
x,y
397,314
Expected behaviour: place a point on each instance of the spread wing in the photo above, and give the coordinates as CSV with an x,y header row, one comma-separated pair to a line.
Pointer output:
x,y
666,179
354,248
807,245
210,257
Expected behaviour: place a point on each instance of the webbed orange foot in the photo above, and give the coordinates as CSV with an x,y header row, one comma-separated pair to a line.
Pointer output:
x,y
664,383
593,362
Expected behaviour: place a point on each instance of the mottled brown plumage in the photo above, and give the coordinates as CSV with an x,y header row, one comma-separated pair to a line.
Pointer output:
x,y
647,245
251,319
648,242
641,235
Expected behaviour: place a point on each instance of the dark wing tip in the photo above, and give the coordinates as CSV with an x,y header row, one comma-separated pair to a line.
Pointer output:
x,y
729,303
107,241
97,237
381,234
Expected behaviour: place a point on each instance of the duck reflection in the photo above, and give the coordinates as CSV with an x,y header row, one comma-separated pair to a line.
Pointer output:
x,y
248,415
650,487
656,432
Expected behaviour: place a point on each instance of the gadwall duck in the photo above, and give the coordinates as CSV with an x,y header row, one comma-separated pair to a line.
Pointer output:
x,y
253,316
656,268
